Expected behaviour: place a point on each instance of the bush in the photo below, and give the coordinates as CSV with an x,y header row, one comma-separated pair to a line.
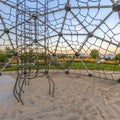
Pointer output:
x,y
3,57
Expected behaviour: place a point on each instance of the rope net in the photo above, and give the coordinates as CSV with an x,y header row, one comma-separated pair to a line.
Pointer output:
x,y
41,38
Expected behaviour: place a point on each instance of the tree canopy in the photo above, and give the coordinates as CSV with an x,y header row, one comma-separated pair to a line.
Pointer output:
x,y
9,52
3,57
94,54
117,57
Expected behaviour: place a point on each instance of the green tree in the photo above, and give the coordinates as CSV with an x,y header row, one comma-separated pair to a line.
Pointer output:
x,y
27,57
3,57
117,57
41,55
9,52
94,54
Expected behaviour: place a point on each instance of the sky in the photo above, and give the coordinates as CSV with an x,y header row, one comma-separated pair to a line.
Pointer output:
x,y
74,25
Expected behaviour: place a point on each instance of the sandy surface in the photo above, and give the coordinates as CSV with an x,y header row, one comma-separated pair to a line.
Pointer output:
x,y
76,98
6,86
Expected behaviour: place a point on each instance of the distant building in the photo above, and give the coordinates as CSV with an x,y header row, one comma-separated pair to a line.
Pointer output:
x,y
85,55
107,56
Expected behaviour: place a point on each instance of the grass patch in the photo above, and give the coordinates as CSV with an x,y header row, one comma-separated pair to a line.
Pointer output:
x,y
74,65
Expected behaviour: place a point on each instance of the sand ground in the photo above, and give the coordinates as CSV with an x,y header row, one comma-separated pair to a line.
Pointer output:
x,y
76,98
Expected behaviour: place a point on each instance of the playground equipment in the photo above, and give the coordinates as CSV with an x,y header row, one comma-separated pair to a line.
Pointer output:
x,y
70,36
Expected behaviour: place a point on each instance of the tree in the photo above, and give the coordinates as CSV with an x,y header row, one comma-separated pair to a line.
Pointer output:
x,y
94,54
3,57
9,52
41,55
27,57
117,57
